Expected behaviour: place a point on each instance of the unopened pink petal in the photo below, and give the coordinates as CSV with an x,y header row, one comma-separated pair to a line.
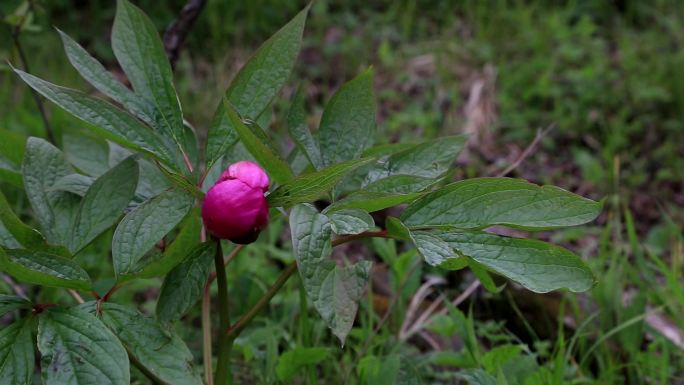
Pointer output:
x,y
250,173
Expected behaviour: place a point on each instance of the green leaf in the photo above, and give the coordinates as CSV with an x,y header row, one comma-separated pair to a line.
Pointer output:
x,y
350,221
104,81
16,354
309,187
334,290
6,238
104,203
143,227
43,268
108,121
11,153
25,235
176,252
268,69
77,184
77,348
159,352
221,136
537,265
434,250
477,377
292,361
89,155
482,275
140,52
429,159
400,184
372,201
496,358
396,229
257,83
348,121
10,303
392,369
270,160
43,165
300,133
483,202
183,286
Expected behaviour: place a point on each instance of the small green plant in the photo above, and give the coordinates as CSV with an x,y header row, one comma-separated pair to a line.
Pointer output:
x,y
154,177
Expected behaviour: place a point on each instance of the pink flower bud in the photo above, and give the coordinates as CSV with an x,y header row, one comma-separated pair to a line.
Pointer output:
x,y
235,207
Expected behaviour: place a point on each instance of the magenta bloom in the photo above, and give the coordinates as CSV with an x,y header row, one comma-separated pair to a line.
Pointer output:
x,y
235,207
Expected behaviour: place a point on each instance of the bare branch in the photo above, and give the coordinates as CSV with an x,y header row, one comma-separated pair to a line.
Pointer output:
x,y
175,35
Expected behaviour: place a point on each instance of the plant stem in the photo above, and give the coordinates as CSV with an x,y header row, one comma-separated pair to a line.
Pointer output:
x,y
233,331
206,334
76,296
223,373
39,102
206,317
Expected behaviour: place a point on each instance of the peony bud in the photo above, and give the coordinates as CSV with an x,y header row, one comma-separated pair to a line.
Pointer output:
x,y
235,207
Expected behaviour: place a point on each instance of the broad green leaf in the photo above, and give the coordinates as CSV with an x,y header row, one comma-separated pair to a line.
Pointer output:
x,y
108,121
350,221
372,201
11,153
400,184
396,229
429,159
6,238
292,361
43,165
25,235
152,179
189,143
270,160
158,351
77,348
221,136
386,149
483,202
496,358
89,155
267,70
257,83
334,290
176,252
43,268
104,81
183,286
143,227
300,133
16,353
434,250
104,203
74,183
537,265
10,303
180,182
348,121
482,275
309,187
139,49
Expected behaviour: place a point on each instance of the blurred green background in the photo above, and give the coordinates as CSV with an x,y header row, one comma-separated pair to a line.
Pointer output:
x,y
602,80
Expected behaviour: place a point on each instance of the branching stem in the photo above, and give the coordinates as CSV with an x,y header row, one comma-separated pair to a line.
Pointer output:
x,y
234,331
